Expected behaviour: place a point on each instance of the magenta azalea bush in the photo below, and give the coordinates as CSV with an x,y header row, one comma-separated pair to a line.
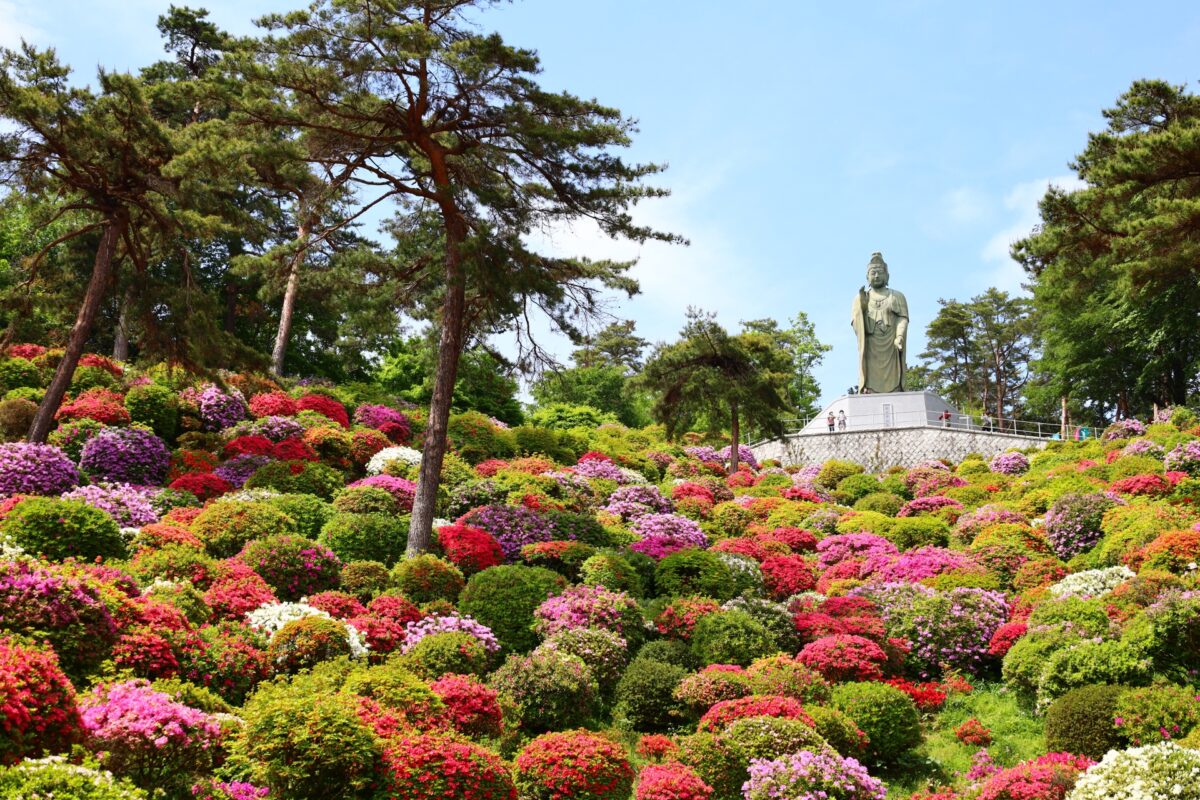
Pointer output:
x,y
1011,463
664,534
631,502
589,607
27,468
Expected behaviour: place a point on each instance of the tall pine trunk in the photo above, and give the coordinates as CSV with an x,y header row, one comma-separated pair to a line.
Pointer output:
x,y
102,269
121,332
287,311
735,434
420,530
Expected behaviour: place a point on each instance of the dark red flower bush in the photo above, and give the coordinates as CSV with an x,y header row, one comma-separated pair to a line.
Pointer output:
x,y
37,704
785,576
844,657
473,707
204,485
438,767
573,765
470,549
760,705
326,407
1005,637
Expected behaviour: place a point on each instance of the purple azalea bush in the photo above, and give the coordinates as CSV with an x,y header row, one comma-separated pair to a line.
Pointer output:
x,y
238,469
126,455
274,428
1072,524
866,546
970,524
513,527
705,453
630,502
663,534
1011,463
27,468
806,775
131,506
1184,457
1124,429
597,468
219,410
418,630
745,455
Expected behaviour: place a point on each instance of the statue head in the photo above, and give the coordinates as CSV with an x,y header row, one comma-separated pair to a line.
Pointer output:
x,y
877,271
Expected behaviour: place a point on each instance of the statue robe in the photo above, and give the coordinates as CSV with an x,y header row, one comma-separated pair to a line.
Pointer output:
x,y
879,323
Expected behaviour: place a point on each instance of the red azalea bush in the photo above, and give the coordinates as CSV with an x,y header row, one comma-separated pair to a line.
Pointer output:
x,y
655,746
1049,777
787,575
973,733
489,467
671,782
152,654
273,404
1005,637
365,443
396,608
38,713
1172,551
235,596
679,618
99,404
844,657
573,765
101,362
760,705
929,696
439,767
253,445
473,707
161,534
470,549
204,485
338,605
382,635
1149,485
326,407
231,661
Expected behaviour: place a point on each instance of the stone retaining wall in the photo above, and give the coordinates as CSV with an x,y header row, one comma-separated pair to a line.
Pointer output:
x,y
879,449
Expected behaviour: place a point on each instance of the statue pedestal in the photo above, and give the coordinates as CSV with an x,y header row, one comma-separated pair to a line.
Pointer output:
x,y
866,412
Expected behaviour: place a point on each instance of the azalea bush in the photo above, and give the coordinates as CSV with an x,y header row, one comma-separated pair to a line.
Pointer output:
x,y
575,764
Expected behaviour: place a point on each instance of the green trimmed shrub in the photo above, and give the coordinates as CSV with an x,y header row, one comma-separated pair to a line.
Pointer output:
x,y
476,439
425,578
312,477
612,571
1081,721
668,651
366,537
770,738
582,528
156,407
838,730
1088,615
365,579
909,533
454,652
16,373
60,529
16,415
645,696
307,745
86,377
1091,662
715,761
833,472
694,572
884,503
504,599
227,525
365,500
1026,659
731,637
55,778
549,690
855,487
605,653
888,717
303,643
308,512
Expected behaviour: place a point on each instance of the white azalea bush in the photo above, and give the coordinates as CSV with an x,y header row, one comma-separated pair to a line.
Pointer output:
x,y
1091,582
380,460
1163,771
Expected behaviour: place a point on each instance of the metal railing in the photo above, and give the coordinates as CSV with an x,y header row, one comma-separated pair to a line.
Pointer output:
x,y
932,419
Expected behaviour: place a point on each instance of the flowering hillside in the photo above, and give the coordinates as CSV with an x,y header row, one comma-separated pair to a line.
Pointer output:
x,y
204,593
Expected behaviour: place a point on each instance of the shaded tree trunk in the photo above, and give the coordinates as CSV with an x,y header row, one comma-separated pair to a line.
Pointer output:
x,y
102,269
735,435
288,309
420,530
121,332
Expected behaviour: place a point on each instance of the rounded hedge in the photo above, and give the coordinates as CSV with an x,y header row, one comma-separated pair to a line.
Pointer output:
x,y
732,637
293,566
426,578
61,529
888,717
645,696
366,536
694,572
227,525
576,764
504,598
437,766
549,690
1081,721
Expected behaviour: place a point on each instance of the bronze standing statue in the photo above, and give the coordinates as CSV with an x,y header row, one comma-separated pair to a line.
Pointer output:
x,y
880,321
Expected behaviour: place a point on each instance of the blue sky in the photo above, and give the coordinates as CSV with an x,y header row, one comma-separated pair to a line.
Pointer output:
x,y
800,138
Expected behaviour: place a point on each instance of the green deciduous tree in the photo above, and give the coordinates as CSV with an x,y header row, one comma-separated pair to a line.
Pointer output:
x,y
1115,266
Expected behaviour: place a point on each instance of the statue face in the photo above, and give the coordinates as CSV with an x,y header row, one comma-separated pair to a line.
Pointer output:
x,y
877,276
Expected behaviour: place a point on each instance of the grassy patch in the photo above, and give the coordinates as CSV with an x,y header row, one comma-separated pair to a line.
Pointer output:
x,y
1016,736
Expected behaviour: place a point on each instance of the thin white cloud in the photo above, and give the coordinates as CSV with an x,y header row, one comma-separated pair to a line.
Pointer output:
x,y
1021,203
15,24
966,206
